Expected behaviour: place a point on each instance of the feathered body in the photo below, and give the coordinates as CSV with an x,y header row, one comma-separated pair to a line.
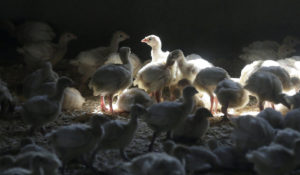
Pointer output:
x,y
272,160
272,116
155,163
112,79
76,140
154,76
207,80
37,53
292,119
133,96
193,127
34,81
251,133
119,134
264,50
89,61
190,68
39,110
266,87
166,116
231,95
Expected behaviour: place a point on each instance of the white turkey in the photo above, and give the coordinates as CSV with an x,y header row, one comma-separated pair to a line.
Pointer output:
x,y
154,76
156,53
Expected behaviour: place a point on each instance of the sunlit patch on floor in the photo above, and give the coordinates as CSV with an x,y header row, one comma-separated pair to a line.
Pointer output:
x,y
97,110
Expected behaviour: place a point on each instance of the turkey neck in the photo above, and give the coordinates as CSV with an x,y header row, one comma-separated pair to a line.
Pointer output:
x,y
132,124
126,61
133,120
181,63
61,51
114,45
156,50
188,104
59,93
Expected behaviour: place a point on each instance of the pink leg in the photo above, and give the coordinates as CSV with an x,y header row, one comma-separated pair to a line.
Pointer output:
x,y
261,105
211,104
171,90
273,106
216,104
151,94
102,104
110,104
224,111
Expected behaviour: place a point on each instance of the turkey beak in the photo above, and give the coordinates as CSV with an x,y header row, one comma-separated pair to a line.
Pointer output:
x,y
145,40
196,92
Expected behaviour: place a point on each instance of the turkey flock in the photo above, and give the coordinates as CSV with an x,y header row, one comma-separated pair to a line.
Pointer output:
x,y
176,94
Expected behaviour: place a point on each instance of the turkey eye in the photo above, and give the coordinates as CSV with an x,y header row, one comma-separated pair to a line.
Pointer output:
x,y
121,36
150,39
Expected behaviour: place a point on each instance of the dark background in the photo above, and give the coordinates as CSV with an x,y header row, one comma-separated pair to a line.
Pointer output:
x,y
215,29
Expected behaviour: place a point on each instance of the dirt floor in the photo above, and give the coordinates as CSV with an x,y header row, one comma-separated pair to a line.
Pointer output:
x,y
13,130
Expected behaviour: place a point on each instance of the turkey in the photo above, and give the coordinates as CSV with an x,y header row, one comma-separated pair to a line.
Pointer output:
x,y
264,50
89,61
37,53
112,79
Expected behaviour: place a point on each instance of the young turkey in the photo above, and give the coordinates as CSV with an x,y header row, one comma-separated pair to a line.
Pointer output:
x,y
251,133
35,54
190,68
264,50
131,97
156,53
155,163
287,137
89,61
231,95
166,116
272,116
76,140
194,158
272,160
193,127
207,80
154,76
112,79
33,82
266,87
40,110
118,134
